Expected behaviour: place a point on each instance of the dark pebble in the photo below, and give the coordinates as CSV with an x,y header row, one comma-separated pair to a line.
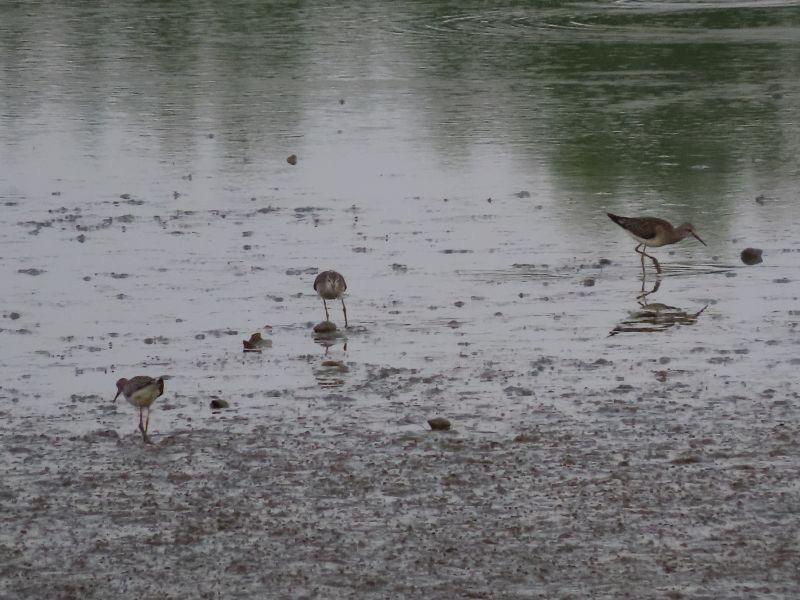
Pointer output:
x,y
751,256
439,424
325,327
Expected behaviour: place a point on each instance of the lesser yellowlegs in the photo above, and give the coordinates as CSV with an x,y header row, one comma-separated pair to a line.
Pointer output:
x,y
654,233
330,285
141,391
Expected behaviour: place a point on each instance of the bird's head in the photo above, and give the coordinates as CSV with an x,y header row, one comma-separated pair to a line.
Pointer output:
x,y
688,229
120,386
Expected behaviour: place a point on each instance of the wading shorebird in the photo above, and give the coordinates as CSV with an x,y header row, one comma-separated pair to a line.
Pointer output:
x,y
141,391
654,233
330,285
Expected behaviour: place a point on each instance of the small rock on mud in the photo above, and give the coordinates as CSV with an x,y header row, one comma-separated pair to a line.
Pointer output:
x,y
292,159
325,327
219,404
439,424
751,256
256,343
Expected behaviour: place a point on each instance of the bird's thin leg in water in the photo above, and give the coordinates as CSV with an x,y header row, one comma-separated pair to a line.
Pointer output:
x,y
143,427
653,258
641,255
147,439
344,310
325,304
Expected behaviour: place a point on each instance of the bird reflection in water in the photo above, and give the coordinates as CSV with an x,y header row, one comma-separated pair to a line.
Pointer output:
x,y
330,372
654,316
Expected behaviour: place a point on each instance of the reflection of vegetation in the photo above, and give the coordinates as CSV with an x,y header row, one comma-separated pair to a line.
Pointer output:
x,y
615,99
671,118
180,69
665,103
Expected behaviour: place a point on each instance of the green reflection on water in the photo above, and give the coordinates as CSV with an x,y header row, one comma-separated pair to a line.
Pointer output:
x,y
675,99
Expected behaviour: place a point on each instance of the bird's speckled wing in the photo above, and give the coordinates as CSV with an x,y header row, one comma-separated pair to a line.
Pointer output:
x,y
139,382
645,228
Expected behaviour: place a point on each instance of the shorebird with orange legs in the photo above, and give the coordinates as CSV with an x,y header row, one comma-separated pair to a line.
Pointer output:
x,y
141,391
652,232
330,285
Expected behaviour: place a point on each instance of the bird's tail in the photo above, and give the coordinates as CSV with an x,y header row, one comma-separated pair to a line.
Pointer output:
x,y
160,383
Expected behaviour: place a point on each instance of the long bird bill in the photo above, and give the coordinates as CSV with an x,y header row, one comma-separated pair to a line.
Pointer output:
x,y
698,238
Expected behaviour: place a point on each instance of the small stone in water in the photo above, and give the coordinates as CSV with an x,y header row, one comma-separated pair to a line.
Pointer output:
x,y
292,159
439,424
325,327
588,282
751,256
218,404
255,343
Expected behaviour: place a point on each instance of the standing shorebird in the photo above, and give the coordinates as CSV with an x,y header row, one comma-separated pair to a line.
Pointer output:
x,y
141,391
653,232
330,285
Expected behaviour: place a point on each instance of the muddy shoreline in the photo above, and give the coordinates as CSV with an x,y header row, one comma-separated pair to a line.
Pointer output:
x,y
633,499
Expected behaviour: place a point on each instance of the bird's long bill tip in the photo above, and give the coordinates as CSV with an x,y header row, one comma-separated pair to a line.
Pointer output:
x,y
117,396
698,239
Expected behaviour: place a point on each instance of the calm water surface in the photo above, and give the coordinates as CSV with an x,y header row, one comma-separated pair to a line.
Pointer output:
x,y
454,162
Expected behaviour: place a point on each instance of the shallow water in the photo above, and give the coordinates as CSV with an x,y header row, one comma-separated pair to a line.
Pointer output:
x,y
454,163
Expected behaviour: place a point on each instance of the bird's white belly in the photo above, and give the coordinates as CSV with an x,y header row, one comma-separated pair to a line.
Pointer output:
x,y
144,396
655,242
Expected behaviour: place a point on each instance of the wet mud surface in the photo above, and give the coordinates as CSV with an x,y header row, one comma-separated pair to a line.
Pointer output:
x,y
610,437
650,498
608,440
